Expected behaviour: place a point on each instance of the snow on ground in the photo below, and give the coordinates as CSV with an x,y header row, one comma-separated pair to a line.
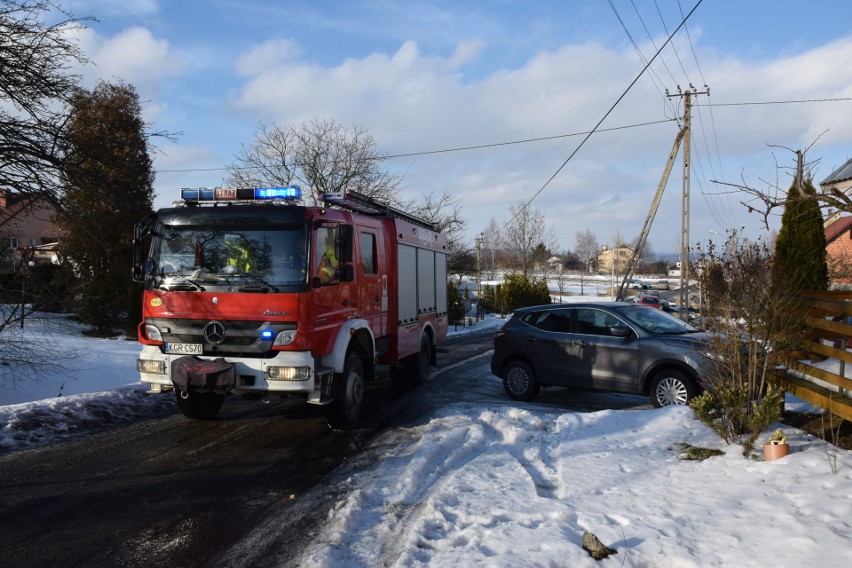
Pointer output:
x,y
94,383
489,482
518,486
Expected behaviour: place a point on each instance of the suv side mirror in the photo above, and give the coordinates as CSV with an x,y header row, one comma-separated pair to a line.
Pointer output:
x,y
620,331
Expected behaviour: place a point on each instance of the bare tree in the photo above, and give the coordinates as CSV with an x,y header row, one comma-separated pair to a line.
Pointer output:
x,y
445,214
561,277
646,255
751,330
522,235
35,86
320,155
442,211
586,247
766,201
488,252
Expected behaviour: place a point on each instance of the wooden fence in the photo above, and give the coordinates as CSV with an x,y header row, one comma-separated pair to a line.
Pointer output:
x,y
828,316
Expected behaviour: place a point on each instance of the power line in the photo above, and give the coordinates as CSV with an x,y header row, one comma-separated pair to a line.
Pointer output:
x,y
498,144
792,101
455,149
545,138
652,74
604,117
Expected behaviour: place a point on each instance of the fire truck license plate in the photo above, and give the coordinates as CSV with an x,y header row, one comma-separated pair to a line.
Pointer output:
x,y
184,348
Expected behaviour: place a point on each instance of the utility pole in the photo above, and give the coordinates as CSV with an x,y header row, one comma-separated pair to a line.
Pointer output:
x,y
684,221
479,314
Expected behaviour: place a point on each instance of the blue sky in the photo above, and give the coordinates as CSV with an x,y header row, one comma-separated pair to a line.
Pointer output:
x,y
433,75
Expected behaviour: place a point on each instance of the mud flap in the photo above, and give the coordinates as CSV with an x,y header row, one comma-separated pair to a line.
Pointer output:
x,y
193,373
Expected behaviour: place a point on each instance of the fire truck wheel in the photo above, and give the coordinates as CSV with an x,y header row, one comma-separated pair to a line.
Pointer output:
x,y
345,409
417,366
200,405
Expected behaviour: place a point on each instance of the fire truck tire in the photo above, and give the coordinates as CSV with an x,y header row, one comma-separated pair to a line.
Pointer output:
x,y
417,366
200,405
345,409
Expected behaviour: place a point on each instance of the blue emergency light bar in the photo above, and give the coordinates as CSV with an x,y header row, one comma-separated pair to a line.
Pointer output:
x,y
222,194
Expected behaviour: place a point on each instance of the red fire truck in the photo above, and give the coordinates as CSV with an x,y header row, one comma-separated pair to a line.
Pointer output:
x,y
247,292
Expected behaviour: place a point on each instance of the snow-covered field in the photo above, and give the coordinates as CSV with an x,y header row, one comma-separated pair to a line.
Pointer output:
x,y
490,482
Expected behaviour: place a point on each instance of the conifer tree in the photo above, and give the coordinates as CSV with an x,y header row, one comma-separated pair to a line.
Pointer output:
x,y
108,188
800,262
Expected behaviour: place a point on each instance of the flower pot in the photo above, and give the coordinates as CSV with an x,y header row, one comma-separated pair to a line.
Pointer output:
x,y
775,451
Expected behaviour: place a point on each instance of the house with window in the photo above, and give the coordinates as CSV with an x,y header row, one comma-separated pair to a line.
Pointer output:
x,y
838,251
27,231
620,256
840,180
838,229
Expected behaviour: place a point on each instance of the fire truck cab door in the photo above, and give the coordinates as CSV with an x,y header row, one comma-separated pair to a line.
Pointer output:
x,y
371,273
333,300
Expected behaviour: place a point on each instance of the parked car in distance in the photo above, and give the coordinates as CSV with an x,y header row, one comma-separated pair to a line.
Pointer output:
x,y
607,346
652,299
662,285
637,284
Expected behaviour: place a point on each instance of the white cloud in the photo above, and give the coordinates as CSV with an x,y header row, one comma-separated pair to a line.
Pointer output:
x,y
466,52
134,56
415,101
267,56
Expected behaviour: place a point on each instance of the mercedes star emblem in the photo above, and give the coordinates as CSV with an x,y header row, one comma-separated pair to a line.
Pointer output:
x,y
214,332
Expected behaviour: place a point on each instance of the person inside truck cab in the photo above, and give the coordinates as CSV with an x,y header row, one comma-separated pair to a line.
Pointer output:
x,y
239,256
327,264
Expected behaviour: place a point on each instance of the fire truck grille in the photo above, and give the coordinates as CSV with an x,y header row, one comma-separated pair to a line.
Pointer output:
x,y
198,325
229,339
232,337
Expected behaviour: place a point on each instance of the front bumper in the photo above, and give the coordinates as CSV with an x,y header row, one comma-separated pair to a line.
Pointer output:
x,y
252,375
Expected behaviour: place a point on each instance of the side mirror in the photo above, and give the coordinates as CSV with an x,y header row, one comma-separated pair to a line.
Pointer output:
x,y
345,273
345,240
619,331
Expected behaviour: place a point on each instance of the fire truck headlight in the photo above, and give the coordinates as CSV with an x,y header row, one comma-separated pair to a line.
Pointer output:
x,y
285,337
288,373
153,332
151,366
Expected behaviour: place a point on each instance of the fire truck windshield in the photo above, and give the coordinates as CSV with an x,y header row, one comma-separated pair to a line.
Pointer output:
x,y
209,257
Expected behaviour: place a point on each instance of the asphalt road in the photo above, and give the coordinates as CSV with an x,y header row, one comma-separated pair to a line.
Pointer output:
x,y
168,491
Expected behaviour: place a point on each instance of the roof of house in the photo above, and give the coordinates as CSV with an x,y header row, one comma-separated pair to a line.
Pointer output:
x,y
842,173
837,228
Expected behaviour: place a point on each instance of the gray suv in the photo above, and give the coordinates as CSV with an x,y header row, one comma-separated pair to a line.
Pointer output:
x,y
609,346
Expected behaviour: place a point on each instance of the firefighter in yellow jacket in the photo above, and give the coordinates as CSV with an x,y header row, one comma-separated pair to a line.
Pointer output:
x,y
328,265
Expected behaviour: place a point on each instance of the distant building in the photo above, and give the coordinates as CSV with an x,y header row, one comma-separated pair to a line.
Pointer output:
x,y
838,229
839,180
838,252
27,232
620,256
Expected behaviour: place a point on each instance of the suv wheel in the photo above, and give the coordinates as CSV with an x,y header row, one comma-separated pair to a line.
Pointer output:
x,y
519,381
671,387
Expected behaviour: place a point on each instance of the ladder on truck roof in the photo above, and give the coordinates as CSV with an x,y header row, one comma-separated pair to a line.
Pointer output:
x,y
360,203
